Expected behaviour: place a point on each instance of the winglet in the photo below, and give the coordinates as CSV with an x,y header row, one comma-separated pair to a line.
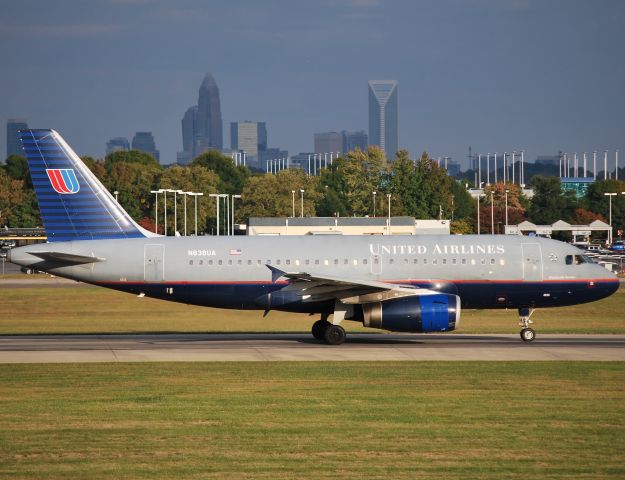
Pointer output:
x,y
276,274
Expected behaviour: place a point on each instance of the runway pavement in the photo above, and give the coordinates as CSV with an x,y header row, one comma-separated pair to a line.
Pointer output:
x,y
301,347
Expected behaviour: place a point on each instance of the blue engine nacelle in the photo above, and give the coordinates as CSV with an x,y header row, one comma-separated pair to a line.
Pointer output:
x,y
439,312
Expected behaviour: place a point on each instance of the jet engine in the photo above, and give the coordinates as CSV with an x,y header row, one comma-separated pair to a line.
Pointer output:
x,y
438,312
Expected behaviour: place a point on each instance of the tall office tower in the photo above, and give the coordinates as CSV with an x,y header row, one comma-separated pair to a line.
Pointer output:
x,y
117,144
383,115
144,141
328,142
209,123
14,146
189,131
354,140
248,137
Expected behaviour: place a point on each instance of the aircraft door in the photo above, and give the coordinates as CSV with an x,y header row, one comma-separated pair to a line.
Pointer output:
x,y
154,263
376,264
532,262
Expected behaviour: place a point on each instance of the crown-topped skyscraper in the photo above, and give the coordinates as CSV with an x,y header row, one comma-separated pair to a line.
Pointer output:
x,y
209,122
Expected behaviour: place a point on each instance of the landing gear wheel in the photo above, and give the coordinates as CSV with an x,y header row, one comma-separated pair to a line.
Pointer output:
x,y
527,335
319,328
334,334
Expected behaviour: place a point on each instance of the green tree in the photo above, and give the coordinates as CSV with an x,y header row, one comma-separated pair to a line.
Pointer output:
x,y
596,201
16,167
362,172
130,156
550,203
232,179
272,195
18,206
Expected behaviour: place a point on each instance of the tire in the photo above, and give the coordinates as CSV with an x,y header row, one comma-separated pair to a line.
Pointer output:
x,y
528,335
319,328
334,334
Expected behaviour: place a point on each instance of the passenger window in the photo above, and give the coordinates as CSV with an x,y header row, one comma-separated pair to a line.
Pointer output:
x,y
391,261
425,261
316,262
492,261
502,262
464,261
201,262
415,261
406,261
210,262
249,262
268,262
336,261
220,262
326,262
355,262
288,262
345,262
297,262
454,261
435,262
444,261
307,262
240,262
483,261
190,262
229,262
364,261
277,262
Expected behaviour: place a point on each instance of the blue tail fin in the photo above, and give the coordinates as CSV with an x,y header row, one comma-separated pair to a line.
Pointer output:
x,y
74,204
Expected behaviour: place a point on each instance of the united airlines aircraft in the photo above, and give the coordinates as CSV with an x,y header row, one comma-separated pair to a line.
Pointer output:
x,y
397,283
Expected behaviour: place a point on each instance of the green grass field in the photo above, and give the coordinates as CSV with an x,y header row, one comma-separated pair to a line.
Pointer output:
x,y
98,310
385,420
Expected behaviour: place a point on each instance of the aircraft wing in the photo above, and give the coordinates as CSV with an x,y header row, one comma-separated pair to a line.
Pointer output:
x,y
347,290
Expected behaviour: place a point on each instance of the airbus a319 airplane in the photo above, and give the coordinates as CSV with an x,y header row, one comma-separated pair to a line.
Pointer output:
x,y
397,283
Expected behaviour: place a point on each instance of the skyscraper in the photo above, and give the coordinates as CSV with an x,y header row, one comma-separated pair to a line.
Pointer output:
x,y
144,141
14,146
354,140
249,137
117,144
189,131
209,122
328,142
383,115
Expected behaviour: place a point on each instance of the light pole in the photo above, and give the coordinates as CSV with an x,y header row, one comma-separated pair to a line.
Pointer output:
x,y
478,211
374,194
507,206
388,195
492,214
185,211
216,196
196,194
156,192
226,197
302,211
233,197
293,203
116,193
610,195
176,192
165,193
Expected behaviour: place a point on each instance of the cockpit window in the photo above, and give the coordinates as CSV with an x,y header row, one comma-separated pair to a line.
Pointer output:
x,y
577,259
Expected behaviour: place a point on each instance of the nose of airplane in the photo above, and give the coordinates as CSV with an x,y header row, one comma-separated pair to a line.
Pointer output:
x,y
605,283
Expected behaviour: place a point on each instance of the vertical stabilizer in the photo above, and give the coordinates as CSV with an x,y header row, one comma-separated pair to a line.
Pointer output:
x,y
74,204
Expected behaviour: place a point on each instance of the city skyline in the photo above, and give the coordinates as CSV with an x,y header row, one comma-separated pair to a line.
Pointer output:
x,y
514,74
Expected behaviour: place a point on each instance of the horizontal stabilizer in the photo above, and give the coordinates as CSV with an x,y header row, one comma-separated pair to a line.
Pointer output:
x,y
66,258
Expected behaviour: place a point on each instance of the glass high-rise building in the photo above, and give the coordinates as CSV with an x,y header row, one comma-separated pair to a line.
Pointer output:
x,y
209,123
189,131
248,137
327,142
144,141
354,140
383,123
14,145
117,144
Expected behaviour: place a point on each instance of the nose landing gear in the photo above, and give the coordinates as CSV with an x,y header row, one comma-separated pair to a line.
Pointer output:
x,y
527,333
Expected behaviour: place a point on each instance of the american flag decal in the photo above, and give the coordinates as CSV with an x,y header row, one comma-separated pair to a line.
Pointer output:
x,y
235,251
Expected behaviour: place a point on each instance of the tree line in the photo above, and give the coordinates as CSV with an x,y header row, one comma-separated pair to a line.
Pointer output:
x,y
417,187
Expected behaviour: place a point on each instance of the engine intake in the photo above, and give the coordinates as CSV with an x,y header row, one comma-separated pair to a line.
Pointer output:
x,y
438,312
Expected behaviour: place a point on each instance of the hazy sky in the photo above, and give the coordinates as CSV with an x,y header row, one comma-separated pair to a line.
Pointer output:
x,y
498,75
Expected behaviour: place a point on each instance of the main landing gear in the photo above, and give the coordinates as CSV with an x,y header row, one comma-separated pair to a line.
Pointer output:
x,y
527,333
325,331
